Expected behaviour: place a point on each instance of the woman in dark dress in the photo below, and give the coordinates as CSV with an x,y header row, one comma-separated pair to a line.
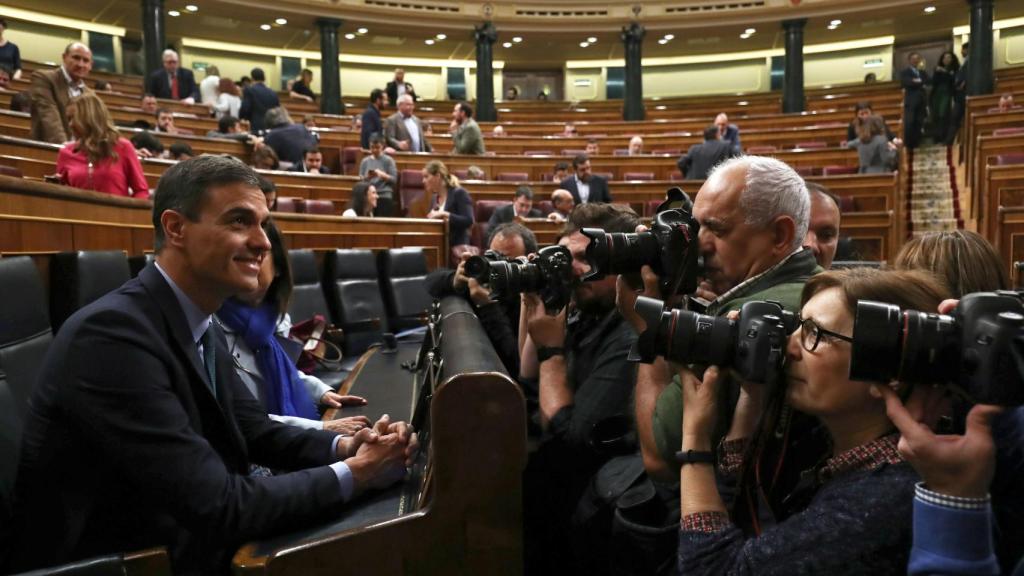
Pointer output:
x,y
940,104
448,202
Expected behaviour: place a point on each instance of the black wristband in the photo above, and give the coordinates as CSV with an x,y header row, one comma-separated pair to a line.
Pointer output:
x,y
694,457
546,352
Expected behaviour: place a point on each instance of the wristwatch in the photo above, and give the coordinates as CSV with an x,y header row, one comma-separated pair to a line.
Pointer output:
x,y
546,352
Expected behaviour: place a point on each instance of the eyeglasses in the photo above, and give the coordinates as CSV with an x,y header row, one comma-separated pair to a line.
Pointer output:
x,y
811,333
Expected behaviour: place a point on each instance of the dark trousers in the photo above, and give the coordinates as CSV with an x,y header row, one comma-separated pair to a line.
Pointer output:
x,y
385,208
913,122
955,119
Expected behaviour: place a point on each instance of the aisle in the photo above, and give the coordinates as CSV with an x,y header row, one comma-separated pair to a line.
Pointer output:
x,y
933,198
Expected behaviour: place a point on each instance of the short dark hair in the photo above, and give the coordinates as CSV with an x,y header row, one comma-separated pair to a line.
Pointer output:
x,y
148,95
863,105
610,217
561,166
145,139
466,109
814,187
21,102
179,148
184,186
3,22
226,123
965,45
258,75
161,111
515,229
376,94
377,138
579,160
524,190
314,149
711,132
100,84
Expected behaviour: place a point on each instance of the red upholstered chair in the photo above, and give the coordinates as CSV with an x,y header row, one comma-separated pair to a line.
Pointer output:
x,y
839,170
461,174
318,207
10,171
668,152
638,176
545,206
676,176
1008,131
537,153
572,152
410,188
813,145
513,177
1007,159
290,205
651,206
483,209
606,175
350,159
766,149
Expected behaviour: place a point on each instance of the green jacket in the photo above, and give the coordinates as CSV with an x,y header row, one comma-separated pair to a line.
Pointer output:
x,y
783,285
468,139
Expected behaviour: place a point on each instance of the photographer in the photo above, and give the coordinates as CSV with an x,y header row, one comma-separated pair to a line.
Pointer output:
x,y
754,213
852,513
584,379
499,318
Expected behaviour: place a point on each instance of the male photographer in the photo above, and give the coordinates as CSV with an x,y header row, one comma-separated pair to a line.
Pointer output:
x,y
753,213
584,379
499,318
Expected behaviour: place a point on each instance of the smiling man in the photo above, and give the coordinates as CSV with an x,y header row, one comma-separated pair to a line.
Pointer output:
x,y
140,432
52,90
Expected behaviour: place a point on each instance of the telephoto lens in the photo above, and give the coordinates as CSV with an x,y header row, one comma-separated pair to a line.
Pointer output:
x,y
979,348
754,346
549,275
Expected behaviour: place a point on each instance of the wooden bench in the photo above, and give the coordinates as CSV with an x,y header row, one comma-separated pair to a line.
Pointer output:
x,y
1002,189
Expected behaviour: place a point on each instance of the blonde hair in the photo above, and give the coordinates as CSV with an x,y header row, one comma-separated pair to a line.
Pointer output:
x,y
94,127
963,260
437,168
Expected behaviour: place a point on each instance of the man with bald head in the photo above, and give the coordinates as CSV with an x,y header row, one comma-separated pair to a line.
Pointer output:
x,y
172,81
52,90
729,132
563,202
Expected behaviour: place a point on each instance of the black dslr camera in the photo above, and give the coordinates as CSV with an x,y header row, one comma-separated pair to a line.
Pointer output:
x,y
669,248
979,348
549,275
754,346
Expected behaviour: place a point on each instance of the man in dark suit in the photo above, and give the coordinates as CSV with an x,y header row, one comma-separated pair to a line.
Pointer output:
x,y
256,100
915,101
701,158
52,90
372,122
312,162
396,87
584,185
140,432
172,81
521,207
729,133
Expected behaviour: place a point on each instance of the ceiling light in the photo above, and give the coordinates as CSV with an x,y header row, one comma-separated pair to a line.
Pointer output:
x,y
265,26
744,36
584,44
281,21
507,44
929,9
429,41
833,27
174,13
441,36
350,36
662,41
192,8
750,31
742,103
517,39
592,40
835,23
362,31
670,36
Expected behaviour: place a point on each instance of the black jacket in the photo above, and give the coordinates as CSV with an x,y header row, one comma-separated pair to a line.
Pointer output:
x,y
159,85
507,213
701,158
598,189
290,142
256,100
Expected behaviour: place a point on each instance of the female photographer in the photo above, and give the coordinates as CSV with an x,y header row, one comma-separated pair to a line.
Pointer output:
x,y
851,513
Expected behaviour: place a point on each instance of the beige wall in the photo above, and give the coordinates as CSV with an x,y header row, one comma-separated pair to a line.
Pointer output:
x,y
846,67
231,64
709,78
1009,47
39,42
581,90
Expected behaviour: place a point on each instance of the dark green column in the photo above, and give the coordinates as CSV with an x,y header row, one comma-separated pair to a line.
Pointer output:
x,y
485,36
330,74
793,81
633,40
979,56
153,31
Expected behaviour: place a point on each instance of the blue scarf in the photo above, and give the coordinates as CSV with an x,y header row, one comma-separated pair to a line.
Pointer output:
x,y
283,390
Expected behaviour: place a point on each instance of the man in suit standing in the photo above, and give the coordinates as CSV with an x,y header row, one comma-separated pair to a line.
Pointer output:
x,y
729,133
173,82
403,129
915,102
521,207
701,158
256,100
140,432
372,123
584,186
466,134
52,90
396,87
